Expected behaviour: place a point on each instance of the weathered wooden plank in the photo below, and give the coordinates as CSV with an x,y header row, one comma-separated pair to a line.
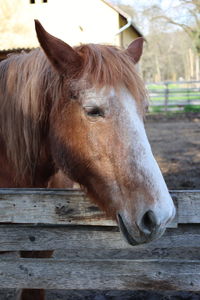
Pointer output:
x,y
100,274
131,253
188,206
72,207
45,206
16,237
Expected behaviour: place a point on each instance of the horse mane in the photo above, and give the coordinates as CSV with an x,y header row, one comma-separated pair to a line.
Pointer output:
x,y
26,80
110,66
29,85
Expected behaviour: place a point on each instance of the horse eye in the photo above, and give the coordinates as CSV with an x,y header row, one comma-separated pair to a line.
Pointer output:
x,y
94,112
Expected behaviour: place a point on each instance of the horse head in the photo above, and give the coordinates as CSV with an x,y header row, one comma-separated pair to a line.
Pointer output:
x,y
98,138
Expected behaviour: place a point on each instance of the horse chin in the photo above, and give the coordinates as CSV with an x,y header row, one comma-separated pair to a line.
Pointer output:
x,y
138,238
129,239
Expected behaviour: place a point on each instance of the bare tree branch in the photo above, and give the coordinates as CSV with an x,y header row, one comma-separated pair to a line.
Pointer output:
x,y
169,20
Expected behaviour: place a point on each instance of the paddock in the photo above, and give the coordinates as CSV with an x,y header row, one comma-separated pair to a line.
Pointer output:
x,y
96,256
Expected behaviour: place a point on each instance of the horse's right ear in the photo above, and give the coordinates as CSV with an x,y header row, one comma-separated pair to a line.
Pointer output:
x,y
62,56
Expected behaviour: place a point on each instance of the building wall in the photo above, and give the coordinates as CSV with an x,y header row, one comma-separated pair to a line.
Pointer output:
x,y
77,21
127,36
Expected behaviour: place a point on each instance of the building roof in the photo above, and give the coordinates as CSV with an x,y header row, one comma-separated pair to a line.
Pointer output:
x,y
124,15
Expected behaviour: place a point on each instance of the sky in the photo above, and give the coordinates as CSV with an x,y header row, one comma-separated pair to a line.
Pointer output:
x,y
164,4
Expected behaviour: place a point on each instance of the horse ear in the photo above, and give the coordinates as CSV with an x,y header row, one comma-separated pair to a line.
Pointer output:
x,y
62,56
134,50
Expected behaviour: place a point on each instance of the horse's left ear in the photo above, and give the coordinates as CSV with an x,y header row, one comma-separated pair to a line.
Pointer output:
x,y
134,50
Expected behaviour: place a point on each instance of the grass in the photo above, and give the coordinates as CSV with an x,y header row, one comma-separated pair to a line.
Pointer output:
x,y
191,108
177,95
173,109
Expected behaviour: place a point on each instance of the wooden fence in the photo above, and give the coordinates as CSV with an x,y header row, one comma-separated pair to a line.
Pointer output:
x,y
170,94
96,255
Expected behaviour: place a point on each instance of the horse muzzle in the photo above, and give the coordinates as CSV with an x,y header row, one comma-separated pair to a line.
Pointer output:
x,y
147,229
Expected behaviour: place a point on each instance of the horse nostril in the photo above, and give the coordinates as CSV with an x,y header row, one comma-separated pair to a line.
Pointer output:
x,y
148,222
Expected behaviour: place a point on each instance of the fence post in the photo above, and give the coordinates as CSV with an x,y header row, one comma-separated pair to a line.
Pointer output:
x,y
166,93
188,93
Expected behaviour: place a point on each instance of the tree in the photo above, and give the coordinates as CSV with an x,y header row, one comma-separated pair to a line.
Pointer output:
x,y
185,15
163,57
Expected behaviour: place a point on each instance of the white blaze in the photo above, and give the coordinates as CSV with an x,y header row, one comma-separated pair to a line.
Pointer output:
x,y
134,133
123,108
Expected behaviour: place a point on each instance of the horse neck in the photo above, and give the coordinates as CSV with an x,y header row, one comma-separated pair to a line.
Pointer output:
x,y
10,178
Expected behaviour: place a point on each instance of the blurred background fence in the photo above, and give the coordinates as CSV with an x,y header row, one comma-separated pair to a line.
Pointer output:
x,y
169,96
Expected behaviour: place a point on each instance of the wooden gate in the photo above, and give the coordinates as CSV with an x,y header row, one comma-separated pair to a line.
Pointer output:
x,y
95,255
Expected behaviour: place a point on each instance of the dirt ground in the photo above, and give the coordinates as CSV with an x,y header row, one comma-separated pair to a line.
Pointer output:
x,y
175,141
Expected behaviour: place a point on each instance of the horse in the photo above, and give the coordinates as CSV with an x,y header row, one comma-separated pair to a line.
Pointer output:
x,y
60,181
81,110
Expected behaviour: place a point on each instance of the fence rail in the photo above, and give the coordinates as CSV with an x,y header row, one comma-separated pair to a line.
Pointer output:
x,y
169,94
96,256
